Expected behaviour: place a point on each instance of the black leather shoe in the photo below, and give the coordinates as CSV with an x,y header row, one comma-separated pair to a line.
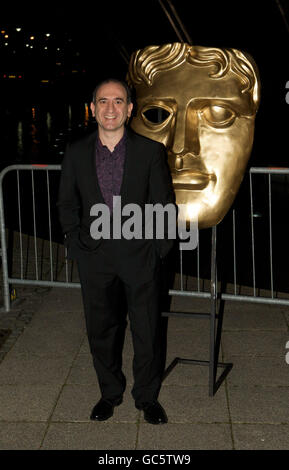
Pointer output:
x,y
153,412
104,409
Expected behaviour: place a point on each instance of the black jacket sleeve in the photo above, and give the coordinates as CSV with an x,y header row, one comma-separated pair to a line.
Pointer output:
x,y
68,197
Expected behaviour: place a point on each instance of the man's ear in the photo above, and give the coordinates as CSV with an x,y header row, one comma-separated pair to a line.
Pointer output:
x,y
129,110
92,108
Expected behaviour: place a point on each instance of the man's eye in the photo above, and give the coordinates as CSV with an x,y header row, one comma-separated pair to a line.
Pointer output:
x,y
156,115
219,116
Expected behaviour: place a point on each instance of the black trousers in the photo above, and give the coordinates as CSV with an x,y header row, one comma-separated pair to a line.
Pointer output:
x,y
105,297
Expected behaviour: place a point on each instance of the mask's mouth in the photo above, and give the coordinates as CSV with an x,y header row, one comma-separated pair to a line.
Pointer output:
x,y
191,180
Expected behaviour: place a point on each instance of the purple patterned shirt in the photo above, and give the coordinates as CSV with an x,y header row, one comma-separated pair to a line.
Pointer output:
x,y
109,167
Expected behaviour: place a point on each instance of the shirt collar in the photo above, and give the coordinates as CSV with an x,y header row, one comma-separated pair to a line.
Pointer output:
x,y
118,148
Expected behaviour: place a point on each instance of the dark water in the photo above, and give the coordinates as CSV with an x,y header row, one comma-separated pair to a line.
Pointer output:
x,y
37,133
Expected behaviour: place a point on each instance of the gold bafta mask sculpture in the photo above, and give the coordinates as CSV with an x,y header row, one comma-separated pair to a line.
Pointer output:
x,y
200,102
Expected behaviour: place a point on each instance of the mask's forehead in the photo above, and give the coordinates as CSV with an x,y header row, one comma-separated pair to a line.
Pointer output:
x,y
187,83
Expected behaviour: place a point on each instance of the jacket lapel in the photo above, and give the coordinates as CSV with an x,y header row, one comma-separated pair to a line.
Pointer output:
x,y
92,167
127,164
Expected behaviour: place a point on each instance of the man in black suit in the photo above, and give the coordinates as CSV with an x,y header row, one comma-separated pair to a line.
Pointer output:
x,y
114,161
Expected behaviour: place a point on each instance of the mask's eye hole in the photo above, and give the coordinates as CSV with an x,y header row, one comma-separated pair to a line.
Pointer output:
x,y
218,116
156,115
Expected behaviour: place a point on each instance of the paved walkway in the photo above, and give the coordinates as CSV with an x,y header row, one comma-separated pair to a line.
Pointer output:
x,y
48,385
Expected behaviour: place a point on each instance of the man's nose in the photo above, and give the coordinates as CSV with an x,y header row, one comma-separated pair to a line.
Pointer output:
x,y
186,136
110,106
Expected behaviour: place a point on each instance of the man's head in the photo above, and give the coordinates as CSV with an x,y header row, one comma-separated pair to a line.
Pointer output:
x,y
200,103
111,104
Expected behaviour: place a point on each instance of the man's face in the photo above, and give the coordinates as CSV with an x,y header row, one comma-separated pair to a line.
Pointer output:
x,y
208,131
111,108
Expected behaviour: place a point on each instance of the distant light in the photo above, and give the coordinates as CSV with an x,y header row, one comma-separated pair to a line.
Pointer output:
x,y
6,36
3,31
31,47
44,81
12,76
32,38
18,29
45,47
47,35
6,44
58,49
19,76
27,45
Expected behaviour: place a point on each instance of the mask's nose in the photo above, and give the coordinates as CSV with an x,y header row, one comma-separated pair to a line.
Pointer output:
x,y
186,135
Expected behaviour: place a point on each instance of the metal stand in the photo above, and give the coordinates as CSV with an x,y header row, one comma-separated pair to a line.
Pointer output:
x,y
212,363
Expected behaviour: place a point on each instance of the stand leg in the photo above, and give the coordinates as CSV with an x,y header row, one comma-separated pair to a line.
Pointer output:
x,y
212,365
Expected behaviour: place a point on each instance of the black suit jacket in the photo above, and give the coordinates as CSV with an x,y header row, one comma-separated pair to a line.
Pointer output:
x,y
146,179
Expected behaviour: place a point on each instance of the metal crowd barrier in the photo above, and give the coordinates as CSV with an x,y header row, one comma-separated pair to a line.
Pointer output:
x,y
20,199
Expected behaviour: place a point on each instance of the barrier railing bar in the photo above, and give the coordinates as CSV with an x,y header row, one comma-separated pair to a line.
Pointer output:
x,y
49,227
181,267
39,282
66,265
20,226
270,235
198,264
252,234
268,170
6,291
234,253
239,298
34,226
203,295
213,312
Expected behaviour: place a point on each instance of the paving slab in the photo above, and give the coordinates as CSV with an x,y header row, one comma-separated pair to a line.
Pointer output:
x,y
27,402
21,436
253,316
192,404
62,300
259,371
259,404
76,402
61,320
187,375
90,436
191,342
186,436
254,343
261,436
28,369
38,340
